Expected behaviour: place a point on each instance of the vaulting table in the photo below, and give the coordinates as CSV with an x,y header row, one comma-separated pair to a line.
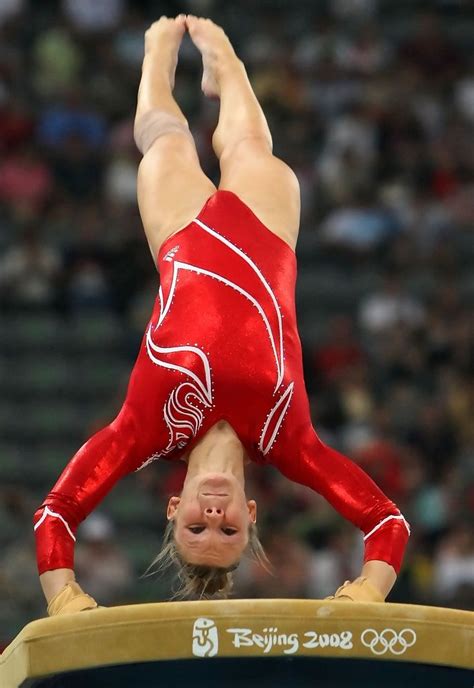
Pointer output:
x,y
291,643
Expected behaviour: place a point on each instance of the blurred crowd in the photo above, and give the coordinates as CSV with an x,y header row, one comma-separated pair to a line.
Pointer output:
x,y
372,104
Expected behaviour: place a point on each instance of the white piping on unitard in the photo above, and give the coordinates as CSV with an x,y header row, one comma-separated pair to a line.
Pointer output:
x,y
288,393
165,310
239,290
249,261
206,389
160,296
383,521
48,512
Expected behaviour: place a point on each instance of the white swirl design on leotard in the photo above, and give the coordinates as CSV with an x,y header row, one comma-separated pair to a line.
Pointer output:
x,y
277,347
274,420
183,411
243,292
204,385
184,418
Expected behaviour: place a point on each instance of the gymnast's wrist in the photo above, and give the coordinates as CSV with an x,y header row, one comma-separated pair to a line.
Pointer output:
x,y
70,599
381,575
53,581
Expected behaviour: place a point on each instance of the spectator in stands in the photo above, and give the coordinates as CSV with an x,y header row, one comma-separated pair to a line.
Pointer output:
x,y
128,41
360,226
70,118
16,124
430,50
454,565
58,60
9,9
17,567
367,52
355,9
28,273
292,562
390,307
102,567
433,436
94,16
86,284
25,180
339,352
120,182
464,95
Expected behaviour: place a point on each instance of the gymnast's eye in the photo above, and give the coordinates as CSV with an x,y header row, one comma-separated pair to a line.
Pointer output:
x,y
196,529
229,531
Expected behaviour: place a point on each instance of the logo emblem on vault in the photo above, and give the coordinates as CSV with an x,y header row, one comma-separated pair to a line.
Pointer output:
x,y
205,638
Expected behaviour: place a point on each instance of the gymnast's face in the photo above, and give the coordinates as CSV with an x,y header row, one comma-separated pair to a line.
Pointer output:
x,y
211,519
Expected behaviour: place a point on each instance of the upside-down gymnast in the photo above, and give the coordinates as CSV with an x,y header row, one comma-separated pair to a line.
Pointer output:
x,y
219,379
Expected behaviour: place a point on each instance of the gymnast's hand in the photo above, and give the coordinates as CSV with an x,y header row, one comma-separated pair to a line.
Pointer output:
x,y
360,590
71,598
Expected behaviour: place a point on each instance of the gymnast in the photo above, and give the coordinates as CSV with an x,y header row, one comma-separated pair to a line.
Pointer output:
x,y
218,381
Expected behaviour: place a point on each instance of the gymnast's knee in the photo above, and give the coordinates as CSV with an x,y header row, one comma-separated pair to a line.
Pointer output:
x,y
156,124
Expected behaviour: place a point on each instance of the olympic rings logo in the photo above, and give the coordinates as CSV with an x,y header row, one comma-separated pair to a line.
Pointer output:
x,y
388,640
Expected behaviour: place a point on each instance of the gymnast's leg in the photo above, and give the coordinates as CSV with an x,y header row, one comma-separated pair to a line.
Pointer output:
x,y
172,188
242,139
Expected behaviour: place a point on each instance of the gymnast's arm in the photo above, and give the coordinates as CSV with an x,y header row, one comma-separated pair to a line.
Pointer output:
x,y
109,455
357,498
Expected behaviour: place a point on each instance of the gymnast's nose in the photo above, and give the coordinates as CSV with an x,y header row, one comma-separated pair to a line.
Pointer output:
x,y
214,512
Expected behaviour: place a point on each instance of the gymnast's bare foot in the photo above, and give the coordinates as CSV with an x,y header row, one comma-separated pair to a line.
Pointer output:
x,y
164,38
216,50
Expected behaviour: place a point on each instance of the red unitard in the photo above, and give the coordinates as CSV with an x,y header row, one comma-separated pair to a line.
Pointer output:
x,y
222,343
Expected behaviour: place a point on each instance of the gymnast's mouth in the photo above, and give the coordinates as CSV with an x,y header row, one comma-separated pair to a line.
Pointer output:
x,y
214,494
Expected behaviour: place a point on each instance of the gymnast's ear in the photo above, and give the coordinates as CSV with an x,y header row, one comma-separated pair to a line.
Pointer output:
x,y
252,507
172,507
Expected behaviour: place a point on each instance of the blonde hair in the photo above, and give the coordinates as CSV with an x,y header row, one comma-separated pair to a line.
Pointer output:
x,y
198,581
